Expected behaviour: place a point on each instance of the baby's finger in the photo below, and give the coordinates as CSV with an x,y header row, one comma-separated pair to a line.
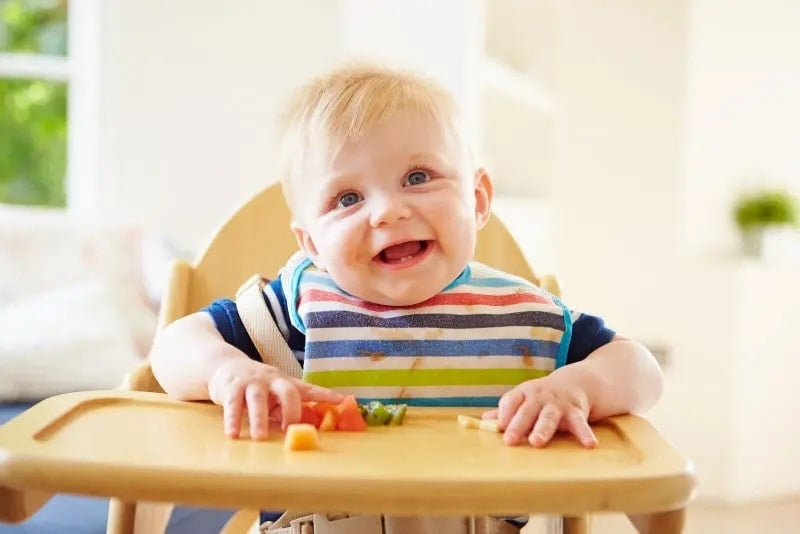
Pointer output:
x,y
275,412
232,408
508,406
491,414
289,399
546,425
522,422
257,398
312,392
579,426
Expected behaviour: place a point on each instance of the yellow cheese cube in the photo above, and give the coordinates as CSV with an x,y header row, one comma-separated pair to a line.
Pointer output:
x,y
301,437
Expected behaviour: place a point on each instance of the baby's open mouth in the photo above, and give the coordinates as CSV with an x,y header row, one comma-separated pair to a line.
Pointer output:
x,y
402,252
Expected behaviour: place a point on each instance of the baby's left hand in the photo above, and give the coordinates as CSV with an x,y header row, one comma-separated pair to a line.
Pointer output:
x,y
535,409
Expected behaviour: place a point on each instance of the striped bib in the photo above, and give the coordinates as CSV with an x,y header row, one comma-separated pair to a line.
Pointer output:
x,y
482,335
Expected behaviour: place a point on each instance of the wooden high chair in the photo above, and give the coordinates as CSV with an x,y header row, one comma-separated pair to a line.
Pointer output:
x,y
154,450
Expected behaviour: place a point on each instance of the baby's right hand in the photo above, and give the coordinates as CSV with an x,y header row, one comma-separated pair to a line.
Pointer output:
x,y
261,389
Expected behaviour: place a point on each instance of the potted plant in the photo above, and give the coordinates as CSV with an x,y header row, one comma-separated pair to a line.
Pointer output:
x,y
759,211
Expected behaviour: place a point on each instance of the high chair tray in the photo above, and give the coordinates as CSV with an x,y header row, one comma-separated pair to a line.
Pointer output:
x,y
146,446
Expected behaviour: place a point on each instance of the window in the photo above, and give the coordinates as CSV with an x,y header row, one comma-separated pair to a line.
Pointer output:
x,y
34,75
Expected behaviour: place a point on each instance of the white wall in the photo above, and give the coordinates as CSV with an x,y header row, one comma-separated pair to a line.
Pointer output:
x,y
621,75
665,109
697,411
743,112
744,82
443,39
767,438
189,94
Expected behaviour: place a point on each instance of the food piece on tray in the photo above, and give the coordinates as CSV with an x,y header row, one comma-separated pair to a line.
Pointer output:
x,y
351,416
301,437
490,425
377,414
398,412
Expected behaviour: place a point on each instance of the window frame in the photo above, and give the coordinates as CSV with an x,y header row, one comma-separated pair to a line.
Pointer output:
x,y
80,71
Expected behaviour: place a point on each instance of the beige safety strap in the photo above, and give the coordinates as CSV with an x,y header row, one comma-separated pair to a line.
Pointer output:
x,y
274,351
262,328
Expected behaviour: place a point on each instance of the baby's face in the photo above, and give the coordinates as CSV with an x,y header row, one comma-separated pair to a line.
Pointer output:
x,y
393,217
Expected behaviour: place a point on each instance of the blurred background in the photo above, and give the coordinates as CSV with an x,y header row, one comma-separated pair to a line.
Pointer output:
x,y
648,153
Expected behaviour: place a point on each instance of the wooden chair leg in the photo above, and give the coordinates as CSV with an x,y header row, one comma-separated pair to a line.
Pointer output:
x,y
152,517
242,522
576,525
138,518
671,522
18,505
121,517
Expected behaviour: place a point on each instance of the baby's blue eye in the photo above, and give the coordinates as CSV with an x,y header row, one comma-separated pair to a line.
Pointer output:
x,y
417,178
348,199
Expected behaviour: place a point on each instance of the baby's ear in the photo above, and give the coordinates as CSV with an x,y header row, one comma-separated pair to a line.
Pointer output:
x,y
306,244
484,193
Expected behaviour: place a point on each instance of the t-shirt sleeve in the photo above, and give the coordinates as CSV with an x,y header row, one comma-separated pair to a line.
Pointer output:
x,y
589,333
226,318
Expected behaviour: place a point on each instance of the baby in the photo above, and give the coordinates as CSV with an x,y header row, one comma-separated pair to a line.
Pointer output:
x,y
384,300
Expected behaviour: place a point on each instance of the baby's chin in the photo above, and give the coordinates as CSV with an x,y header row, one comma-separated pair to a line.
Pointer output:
x,y
394,299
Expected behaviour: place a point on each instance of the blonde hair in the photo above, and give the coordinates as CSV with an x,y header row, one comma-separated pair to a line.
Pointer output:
x,y
341,105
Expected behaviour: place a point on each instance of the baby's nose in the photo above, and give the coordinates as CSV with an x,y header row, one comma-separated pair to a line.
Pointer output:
x,y
388,210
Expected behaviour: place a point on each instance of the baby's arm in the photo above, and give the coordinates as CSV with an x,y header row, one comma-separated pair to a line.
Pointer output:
x,y
617,378
192,361
187,353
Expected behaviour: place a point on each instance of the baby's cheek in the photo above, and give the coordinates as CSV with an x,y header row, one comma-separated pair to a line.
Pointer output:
x,y
349,252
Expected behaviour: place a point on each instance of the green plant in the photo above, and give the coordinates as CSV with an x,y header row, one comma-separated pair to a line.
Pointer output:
x,y
764,208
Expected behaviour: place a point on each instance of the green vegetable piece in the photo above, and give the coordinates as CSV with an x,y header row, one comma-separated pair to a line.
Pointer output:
x,y
397,413
377,414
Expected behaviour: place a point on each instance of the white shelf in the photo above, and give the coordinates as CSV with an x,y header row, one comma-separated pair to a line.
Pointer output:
x,y
514,85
